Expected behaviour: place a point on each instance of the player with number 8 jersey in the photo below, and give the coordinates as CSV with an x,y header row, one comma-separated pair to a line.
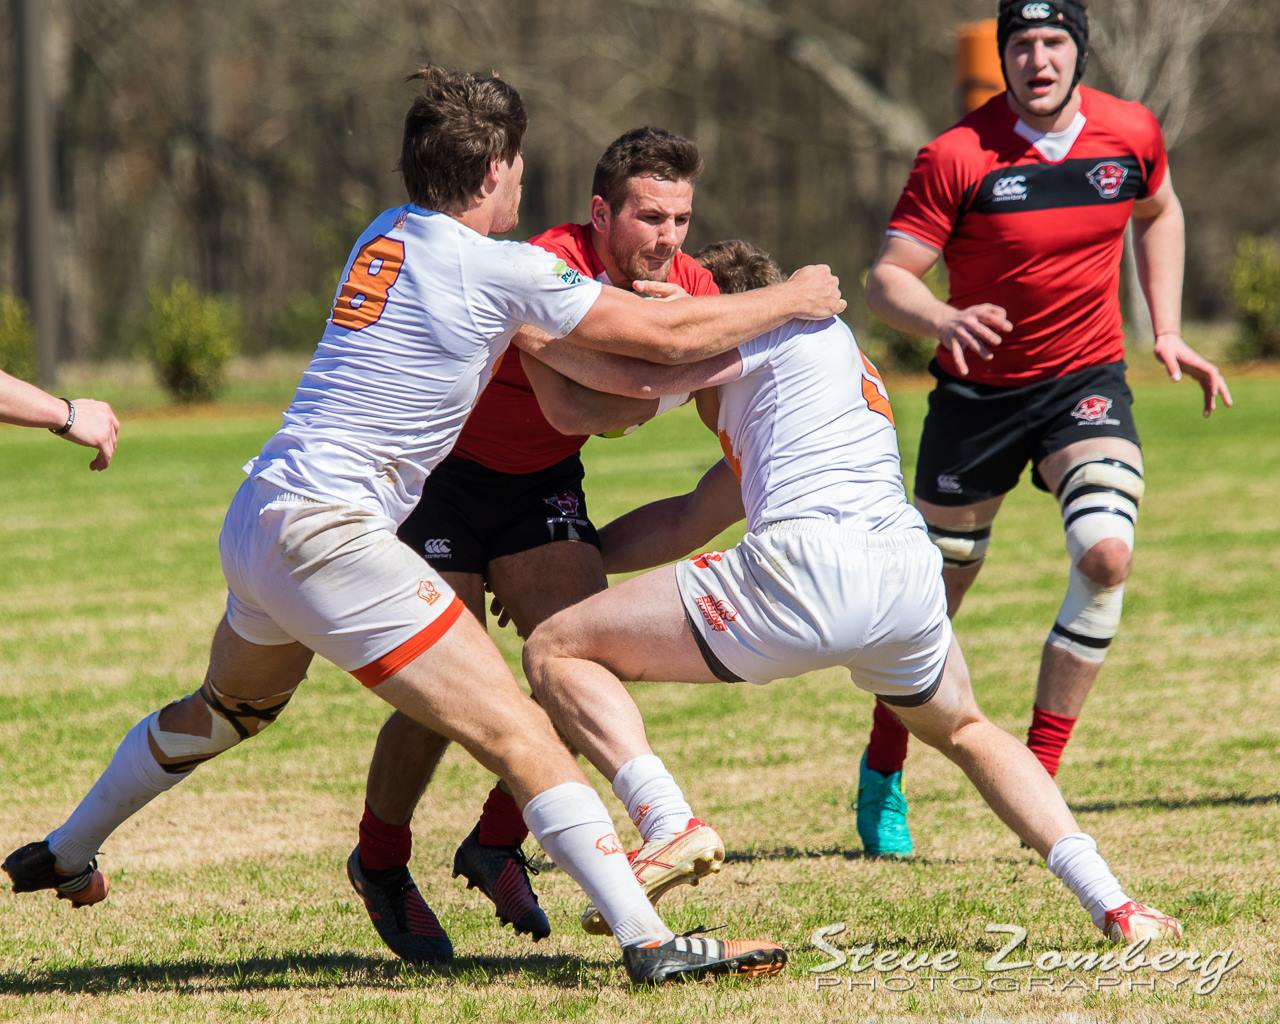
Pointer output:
x,y
426,307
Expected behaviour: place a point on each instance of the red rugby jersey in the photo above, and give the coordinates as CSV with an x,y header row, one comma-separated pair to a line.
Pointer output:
x,y
506,430
1042,239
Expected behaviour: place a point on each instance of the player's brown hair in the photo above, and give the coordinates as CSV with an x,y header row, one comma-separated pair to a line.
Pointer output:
x,y
644,152
739,266
455,126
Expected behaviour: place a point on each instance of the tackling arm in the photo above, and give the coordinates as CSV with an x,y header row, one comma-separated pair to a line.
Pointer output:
x,y
666,530
687,330
624,375
574,409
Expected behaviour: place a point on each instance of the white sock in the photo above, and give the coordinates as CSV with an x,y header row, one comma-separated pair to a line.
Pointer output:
x,y
574,828
131,781
1075,859
653,800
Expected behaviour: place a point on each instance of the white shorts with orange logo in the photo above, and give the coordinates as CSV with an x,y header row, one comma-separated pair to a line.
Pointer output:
x,y
807,594
332,577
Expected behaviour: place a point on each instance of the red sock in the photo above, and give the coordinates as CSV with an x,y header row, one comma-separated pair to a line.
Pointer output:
x,y
501,823
887,749
383,847
1047,736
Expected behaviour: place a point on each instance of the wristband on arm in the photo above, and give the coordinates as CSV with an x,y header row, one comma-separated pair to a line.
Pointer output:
x,y
71,420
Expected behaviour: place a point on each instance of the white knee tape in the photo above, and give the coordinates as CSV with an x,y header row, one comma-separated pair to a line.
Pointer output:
x,y
230,721
180,752
1088,619
961,548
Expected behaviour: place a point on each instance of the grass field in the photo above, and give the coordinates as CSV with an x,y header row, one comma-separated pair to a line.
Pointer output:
x,y
229,901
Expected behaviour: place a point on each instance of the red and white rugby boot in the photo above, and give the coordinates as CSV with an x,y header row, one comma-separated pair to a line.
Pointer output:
x,y
31,868
1131,921
662,864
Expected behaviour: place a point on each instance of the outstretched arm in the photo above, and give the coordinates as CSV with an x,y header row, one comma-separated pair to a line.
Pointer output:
x,y
86,422
666,530
625,375
1159,245
686,330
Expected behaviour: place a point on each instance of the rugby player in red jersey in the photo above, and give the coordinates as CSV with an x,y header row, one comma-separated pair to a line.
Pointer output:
x,y
1027,200
506,510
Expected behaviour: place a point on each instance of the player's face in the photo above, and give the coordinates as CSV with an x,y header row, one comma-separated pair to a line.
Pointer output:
x,y
507,195
1040,63
649,228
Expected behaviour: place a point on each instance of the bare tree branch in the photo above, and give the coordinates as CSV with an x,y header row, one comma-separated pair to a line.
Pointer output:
x,y
900,127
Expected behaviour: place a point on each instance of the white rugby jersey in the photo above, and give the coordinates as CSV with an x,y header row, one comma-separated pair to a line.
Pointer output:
x,y
424,312
809,431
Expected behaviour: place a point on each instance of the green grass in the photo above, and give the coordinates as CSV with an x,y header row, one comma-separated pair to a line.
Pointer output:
x,y
229,901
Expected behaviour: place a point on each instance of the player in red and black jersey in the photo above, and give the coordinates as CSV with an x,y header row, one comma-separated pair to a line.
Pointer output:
x,y
1027,200
506,510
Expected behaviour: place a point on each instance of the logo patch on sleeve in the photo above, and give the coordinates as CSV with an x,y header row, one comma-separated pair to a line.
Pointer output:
x,y
565,272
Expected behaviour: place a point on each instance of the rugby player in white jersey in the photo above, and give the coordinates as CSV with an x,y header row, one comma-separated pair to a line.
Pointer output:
x,y
836,569
426,307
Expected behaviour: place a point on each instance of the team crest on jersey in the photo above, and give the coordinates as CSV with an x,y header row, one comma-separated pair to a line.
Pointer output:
x,y
1093,409
565,272
1108,177
566,503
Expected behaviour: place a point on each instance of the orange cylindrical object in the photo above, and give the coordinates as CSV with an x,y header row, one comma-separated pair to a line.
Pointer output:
x,y
978,76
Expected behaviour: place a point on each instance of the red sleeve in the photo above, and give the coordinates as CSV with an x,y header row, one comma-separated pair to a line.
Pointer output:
x,y
562,242
930,203
693,277
1151,151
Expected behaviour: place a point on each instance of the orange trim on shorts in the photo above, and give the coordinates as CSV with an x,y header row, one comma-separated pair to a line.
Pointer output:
x,y
393,661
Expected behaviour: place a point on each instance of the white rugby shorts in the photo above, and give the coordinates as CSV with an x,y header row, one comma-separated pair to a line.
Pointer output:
x,y
332,577
807,594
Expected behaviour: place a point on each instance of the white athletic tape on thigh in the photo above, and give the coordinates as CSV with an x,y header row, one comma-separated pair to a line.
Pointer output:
x,y
1099,499
961,548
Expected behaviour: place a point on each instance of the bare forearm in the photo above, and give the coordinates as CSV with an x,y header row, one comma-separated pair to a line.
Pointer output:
x,y
574,409
902,300
27,406
689,329
635,378
666,530
1159,247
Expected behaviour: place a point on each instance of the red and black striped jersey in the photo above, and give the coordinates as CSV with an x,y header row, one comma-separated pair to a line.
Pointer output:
x,y
1040,237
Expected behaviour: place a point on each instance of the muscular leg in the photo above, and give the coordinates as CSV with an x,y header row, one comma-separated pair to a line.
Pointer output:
x,y
961,533
245,687
1020,791
531,585
406,754
1066,677
576,660
462,689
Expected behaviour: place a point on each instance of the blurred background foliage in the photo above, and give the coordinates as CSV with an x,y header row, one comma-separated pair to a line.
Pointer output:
x,y
242,146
